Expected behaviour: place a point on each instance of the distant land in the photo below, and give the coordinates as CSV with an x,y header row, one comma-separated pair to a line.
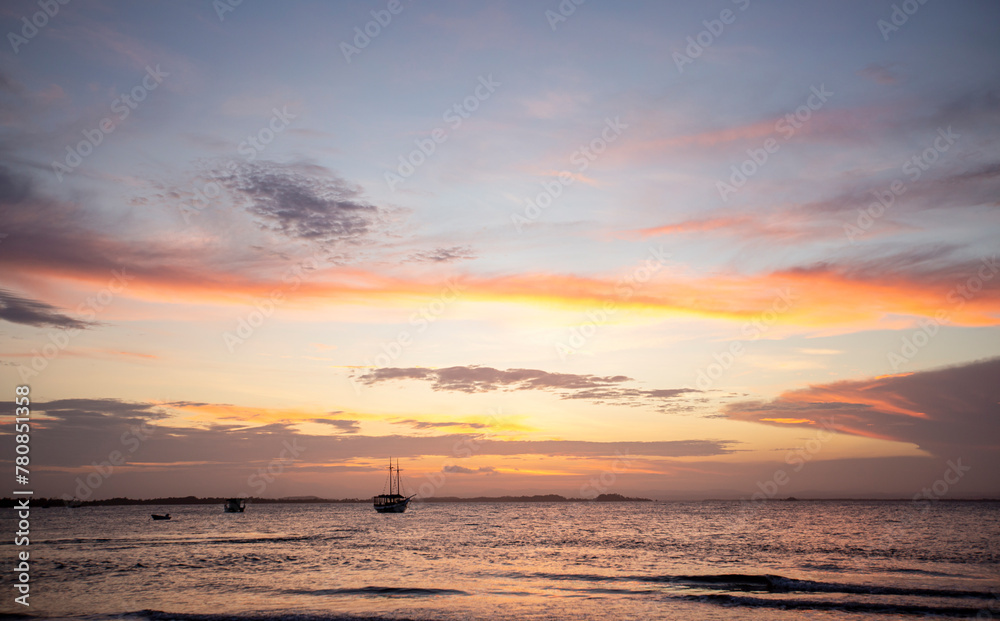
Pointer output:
x,y
43,503
193,500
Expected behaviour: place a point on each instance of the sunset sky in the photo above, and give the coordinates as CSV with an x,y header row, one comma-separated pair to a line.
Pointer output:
x,y
676,250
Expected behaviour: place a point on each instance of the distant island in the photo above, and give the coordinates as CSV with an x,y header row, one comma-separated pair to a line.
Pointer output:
x,y
193,500
538,498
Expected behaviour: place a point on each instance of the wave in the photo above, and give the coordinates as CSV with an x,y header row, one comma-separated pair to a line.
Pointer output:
x,y
134,543
842,606
380,591
822,566
156,615
781,584
922,572
772,584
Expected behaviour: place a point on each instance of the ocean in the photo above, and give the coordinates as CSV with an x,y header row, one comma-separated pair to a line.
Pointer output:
x,y
664,560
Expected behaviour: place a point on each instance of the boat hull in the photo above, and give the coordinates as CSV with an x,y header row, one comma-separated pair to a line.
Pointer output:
x,y
398,506
234,505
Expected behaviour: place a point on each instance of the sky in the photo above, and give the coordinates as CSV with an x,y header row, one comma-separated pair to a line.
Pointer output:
x,y
727,249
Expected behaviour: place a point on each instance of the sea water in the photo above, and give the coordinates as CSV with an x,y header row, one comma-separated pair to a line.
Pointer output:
x,y
665,560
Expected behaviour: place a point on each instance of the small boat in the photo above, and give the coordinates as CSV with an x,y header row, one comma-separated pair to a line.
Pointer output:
x,y
157,516
394,501
235,505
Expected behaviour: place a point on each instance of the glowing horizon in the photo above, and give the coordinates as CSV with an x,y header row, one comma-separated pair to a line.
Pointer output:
x,y
517,267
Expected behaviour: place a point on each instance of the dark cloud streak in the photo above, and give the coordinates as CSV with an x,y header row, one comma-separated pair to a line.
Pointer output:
x,y
16,309
477,379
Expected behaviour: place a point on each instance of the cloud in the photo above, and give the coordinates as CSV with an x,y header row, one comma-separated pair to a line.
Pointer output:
x,y
55,238
947,412
442,255
472,379
869,290
698,225
301,201
73,433
635,396
879,73
417,424
166,456
61,240
345,426
464,470
16,309
967,187
975,110
14,187
48,238
477,379
107,411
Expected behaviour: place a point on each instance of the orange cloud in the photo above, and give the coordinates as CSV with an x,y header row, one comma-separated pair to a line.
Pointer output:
x,y
827,124
215,412
760,129
788,226
695,226
826,295
786,421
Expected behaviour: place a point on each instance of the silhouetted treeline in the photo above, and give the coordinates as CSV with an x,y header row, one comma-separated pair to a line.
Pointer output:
x,y
194,500
536,498
173,500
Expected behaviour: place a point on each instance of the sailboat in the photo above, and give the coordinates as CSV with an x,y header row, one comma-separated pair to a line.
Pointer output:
x,y
394,501
234,505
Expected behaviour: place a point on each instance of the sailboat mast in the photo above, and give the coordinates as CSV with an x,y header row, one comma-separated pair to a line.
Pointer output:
x,y
399,488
